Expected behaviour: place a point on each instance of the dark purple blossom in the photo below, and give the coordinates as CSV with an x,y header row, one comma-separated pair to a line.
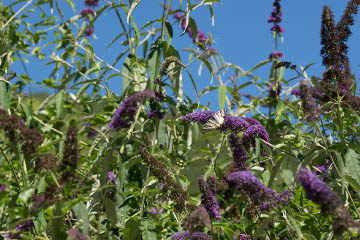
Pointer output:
x,y
208,199
259,194
111,176
277,28
238,152
275,17
252,121
275,89
91,3
74,234
317,191
156,114
87,11
308,103
200,35
125,114
234,124
200,116
13,236
89,31
3,187
276,55
242,237
25,227
156,211
256,131
187,235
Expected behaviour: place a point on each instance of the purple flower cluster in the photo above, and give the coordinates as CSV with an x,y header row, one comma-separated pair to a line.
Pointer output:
x,y
91,3
242,237
276,55
3,187
275,89
260,195
308,102
208,199
87,12
187,235
23,227
234,123
74,234
125,114
200,35
199,116
275,17
317,191
156,114
238,151
111,176
156,211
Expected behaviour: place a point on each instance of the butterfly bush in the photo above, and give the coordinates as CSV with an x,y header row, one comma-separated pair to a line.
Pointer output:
x,y
319,192
260,195
188,235
125,114
208,199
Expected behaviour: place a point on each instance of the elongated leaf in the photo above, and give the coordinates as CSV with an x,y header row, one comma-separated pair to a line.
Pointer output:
x,y
59,103
5,94
148,230
154,61
222,90
352,163
127,73
340,165
110,210
132,227
82,213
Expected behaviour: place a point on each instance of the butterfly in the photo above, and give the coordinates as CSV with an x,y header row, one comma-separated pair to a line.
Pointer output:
x,y
215,121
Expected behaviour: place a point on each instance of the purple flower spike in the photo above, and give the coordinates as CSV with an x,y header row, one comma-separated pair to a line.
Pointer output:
x,y
125,114
200,116
3,187
258,193
91,3
234,123
242,237
208,199
111,176
317,191
256,131
155,211
186,235
87,11
276,55
238,151
156,114
89,31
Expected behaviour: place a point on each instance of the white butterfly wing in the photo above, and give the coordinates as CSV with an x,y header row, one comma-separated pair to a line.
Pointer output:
x,y
215,121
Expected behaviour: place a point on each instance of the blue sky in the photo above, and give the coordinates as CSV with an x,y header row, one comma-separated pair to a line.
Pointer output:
x,y
241,35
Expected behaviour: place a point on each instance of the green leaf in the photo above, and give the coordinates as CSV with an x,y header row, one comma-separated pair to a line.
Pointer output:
x,y
154,61
58,227
131,231
59,103
25,195
352,163
222,90
110,210
81,212
340,165
5,95
148,230
127,72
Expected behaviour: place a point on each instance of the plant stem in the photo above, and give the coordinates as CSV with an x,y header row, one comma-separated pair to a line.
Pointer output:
x,y
11,166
